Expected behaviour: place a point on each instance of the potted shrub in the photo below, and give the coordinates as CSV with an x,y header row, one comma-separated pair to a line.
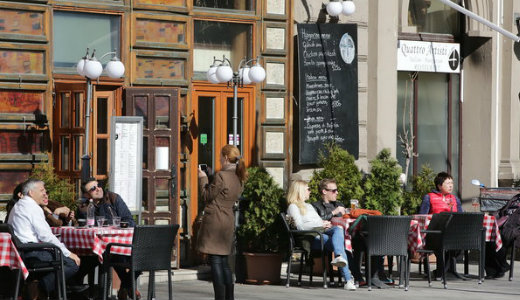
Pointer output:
x,y
259,235
338,164
421,185
382,186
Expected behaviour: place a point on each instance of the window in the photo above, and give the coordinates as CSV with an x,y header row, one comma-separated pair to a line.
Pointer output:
x,y
433,17
214,39
75,32
431,101
226,4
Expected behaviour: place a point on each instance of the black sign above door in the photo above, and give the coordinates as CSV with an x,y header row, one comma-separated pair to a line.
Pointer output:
x,y
328,88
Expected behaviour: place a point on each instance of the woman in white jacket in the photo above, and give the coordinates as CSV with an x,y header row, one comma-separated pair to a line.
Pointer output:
x,y
306,218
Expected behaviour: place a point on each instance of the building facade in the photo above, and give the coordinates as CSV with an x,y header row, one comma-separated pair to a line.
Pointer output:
x,y
465,120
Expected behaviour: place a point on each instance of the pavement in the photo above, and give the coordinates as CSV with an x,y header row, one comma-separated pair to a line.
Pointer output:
x,y
457,289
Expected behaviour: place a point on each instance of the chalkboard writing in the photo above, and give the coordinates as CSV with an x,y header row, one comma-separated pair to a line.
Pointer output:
x,y
328,88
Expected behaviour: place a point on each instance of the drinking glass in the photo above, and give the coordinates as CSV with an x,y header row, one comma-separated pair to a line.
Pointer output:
x,y
100,221
475,204
116,221
354,203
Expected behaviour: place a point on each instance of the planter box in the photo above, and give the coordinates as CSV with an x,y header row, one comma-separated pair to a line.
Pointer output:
x,y
263,268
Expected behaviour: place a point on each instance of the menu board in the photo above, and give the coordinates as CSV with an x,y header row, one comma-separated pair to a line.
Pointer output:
x,y
328,89
126,160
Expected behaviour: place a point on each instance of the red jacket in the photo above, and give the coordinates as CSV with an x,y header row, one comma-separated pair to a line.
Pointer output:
x,y
438,205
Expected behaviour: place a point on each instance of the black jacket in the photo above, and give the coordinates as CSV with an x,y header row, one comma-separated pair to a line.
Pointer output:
x,y
326,214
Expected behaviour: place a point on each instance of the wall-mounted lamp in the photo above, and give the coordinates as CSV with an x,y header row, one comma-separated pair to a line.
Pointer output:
x,y
335,8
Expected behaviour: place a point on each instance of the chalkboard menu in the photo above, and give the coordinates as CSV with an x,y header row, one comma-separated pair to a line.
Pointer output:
x,y
328,88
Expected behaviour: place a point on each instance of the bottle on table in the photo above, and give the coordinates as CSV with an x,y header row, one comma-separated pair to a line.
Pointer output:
x,y
91,218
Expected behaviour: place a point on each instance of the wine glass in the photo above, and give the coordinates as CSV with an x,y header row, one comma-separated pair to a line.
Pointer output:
x,y
100,221
475,204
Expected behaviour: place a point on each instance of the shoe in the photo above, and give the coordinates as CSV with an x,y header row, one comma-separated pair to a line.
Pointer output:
x,y
122,294
31,291
378,283
77,288
339,261
350,285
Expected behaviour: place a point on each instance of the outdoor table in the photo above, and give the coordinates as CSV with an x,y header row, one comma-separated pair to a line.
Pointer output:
x,y
9,256
88,240
421,222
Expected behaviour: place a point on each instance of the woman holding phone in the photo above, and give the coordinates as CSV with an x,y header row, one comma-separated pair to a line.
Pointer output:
x,y
216,233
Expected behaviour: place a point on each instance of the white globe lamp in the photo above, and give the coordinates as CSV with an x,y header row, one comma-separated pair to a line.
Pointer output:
x,y
224,72
257,73
115,68
348,8
334,8
93,68
80,67
243,73
212,74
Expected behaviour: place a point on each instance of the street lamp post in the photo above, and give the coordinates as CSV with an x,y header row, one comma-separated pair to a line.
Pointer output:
x,y
91,69
247,73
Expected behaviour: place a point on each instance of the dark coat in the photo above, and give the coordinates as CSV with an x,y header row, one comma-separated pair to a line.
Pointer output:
x,y
111,205
508,218
218,221
326,214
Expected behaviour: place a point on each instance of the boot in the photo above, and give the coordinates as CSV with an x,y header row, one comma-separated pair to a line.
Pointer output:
x,y
230,292
220,291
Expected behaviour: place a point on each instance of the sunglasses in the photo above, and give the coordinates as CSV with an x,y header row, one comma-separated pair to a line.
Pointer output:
x,y
332,190
93,188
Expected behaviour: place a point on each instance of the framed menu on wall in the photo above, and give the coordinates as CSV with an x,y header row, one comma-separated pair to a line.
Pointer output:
x,y
328,89
126,156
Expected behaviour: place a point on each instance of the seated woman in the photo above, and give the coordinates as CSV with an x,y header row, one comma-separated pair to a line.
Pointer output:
x,y
17,194
57,214
442,200
306,218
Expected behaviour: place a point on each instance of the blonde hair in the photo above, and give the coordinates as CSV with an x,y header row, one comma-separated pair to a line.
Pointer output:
x,y
296,195
233,155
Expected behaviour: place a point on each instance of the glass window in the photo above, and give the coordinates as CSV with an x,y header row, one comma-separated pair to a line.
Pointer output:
x,y
75,32
215,39
433,17
226,4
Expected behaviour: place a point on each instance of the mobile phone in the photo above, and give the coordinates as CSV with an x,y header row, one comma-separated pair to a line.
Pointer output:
x,y
203,167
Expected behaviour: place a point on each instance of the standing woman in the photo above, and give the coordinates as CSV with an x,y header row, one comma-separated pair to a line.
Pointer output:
x,y
216,233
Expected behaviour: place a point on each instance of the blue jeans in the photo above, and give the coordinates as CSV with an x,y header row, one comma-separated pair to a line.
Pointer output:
x,y
334,240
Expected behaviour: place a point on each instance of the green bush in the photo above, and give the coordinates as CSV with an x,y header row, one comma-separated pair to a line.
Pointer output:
x,y
382,186
516,183
337,164
422,184
58,189
263,200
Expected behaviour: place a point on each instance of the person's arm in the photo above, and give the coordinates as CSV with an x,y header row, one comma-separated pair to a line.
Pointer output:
x,y
123,211
43,232
425,205
294,212
459,204
210,191
52,219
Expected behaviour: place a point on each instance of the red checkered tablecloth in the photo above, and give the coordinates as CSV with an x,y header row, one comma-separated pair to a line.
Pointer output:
x,y
421,222
95,239
345,224
9,256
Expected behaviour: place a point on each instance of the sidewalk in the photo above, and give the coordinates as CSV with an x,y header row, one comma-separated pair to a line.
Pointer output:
x,y
457,290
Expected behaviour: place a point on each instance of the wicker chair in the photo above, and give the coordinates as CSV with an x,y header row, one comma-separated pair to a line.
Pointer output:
x,y
388,235
36,266
456,231
152,247
295,246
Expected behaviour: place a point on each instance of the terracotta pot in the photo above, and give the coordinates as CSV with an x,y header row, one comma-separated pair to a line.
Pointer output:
x,y
263,268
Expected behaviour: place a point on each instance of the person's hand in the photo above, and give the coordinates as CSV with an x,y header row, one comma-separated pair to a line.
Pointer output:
x,y
327,224
62,210
47,210
339,210
202,173
75,258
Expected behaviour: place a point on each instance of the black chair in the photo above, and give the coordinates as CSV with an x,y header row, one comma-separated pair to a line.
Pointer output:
x,y
455,231
296,240
388,235
152,247
37,266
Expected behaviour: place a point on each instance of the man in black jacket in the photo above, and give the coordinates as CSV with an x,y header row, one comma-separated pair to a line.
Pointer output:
x,y
329,207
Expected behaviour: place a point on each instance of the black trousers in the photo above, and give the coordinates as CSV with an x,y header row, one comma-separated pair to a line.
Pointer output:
x,y
222,277
496,262
47,280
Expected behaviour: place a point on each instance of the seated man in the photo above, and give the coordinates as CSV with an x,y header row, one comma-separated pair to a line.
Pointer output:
x,y
109,205
29,225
